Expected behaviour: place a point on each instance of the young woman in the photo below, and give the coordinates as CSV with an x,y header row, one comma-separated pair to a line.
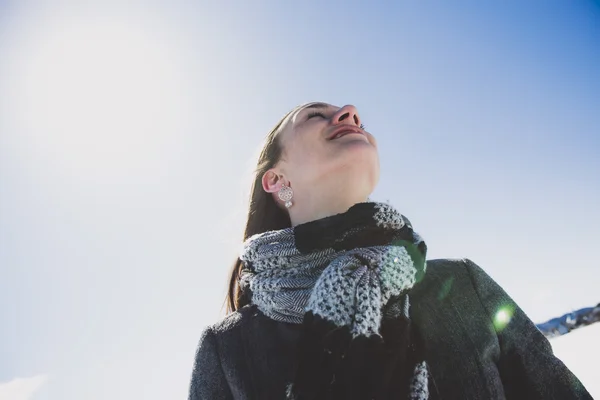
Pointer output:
x,y
332,296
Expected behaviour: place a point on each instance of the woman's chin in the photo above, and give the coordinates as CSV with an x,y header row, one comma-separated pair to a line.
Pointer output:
x,y
358,149
359,162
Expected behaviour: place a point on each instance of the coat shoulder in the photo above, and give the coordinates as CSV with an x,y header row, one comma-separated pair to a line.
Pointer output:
x,y
445,277
233,321
443,268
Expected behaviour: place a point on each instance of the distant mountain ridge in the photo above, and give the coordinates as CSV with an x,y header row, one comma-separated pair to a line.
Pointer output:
x,y
568,322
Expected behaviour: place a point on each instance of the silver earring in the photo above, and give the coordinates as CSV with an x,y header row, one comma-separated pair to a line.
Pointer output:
x,y
285,194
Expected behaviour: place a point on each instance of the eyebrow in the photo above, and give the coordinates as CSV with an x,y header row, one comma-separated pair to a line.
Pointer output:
x,y
317,105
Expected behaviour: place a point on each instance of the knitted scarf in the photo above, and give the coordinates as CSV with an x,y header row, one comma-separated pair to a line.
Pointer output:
x,y
345,278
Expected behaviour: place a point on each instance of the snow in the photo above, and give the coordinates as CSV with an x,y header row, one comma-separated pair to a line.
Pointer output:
x,y
580,351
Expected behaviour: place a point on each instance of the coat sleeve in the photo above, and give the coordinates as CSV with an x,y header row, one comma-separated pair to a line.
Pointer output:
x,y
527,365
208,380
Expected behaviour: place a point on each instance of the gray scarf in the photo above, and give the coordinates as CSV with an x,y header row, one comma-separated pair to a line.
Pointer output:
x,y
337,277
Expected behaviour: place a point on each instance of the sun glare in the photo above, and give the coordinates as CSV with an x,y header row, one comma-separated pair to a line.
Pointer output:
x,y
96,96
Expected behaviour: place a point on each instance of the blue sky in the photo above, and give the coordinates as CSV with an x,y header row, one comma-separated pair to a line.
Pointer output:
x,y
128,133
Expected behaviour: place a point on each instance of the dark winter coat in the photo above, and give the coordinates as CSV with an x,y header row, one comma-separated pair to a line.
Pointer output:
x,y
474,350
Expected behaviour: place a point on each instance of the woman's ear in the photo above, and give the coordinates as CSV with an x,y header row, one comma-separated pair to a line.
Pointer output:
x,y
271,181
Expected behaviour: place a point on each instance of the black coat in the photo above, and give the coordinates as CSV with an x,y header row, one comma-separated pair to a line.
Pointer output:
x,y
480,345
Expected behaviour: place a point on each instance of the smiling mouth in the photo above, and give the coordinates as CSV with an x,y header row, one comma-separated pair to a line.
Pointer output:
x,y
344,133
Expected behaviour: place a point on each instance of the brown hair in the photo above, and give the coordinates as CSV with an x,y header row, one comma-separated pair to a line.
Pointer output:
x,y
263,213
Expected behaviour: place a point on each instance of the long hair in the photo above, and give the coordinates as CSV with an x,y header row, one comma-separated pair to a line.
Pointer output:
x,y
263,213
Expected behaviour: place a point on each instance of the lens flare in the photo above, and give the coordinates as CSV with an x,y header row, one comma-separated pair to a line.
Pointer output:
x,y
503,317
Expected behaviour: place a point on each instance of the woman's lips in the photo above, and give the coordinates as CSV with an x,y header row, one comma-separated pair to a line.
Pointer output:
x,y
343,131
346,134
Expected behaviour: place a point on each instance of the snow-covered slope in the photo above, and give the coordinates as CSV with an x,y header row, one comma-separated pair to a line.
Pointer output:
x,y
580,351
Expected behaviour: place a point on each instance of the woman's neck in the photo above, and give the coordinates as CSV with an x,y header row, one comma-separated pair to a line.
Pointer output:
x,y
323,203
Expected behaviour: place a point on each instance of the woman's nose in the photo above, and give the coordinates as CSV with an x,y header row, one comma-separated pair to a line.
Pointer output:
x,y
347,115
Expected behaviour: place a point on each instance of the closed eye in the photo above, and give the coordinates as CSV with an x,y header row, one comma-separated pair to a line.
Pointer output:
x,y
315,114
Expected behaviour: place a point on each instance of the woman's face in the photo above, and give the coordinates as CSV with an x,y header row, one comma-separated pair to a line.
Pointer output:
x,y
322,142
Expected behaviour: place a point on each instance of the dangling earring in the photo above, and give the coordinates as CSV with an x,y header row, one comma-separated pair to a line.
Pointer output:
x,y
285,194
